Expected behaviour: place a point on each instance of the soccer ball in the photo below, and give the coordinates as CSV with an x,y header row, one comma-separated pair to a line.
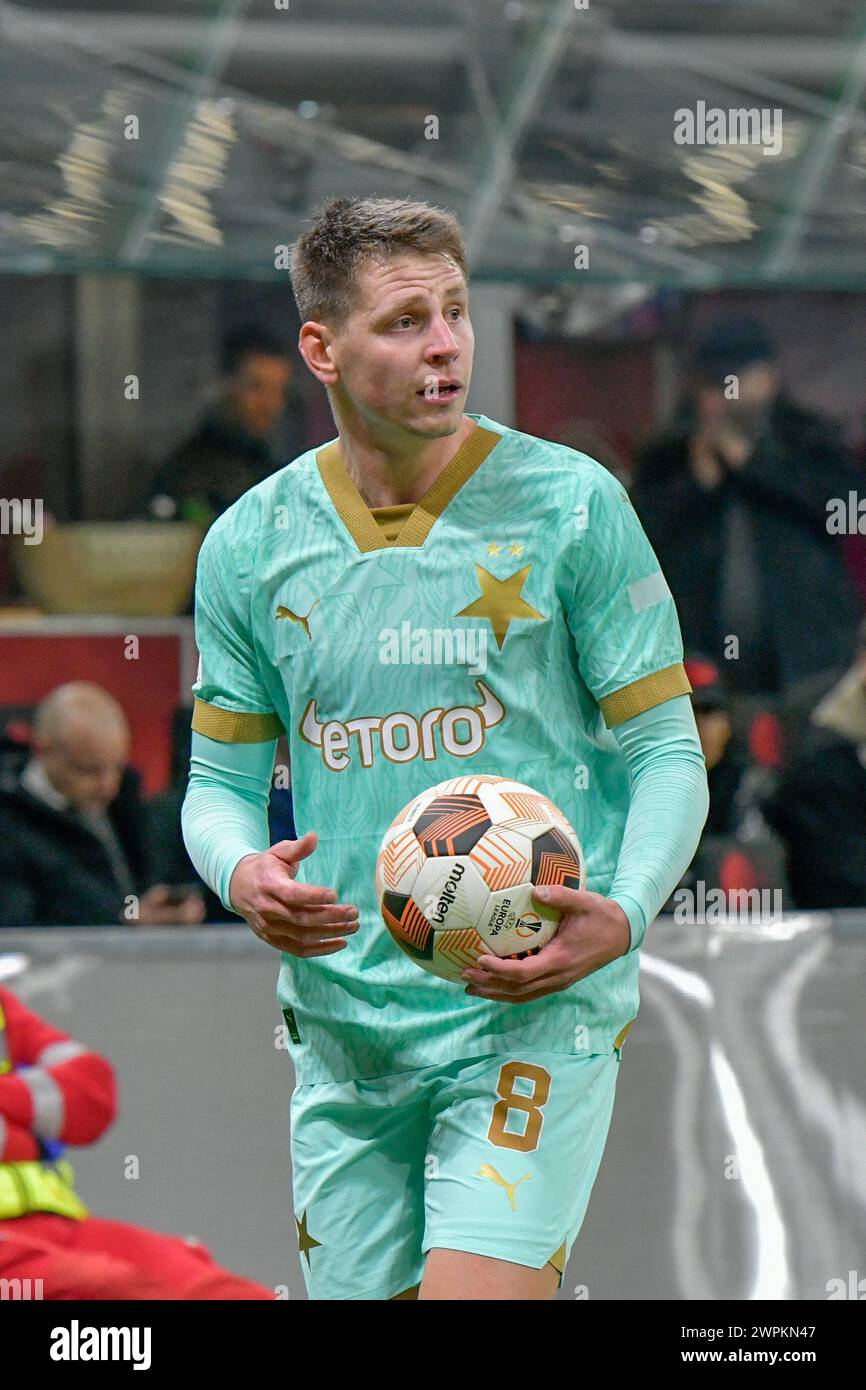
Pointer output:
x,y
456,869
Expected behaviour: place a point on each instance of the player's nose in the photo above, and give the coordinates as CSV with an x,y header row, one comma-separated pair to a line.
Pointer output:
x,y
442,342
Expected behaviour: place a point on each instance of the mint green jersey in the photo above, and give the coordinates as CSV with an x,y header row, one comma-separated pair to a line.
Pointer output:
x,y
517,617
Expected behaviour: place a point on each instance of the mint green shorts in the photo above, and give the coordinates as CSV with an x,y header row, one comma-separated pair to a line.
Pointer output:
x,y
495,1155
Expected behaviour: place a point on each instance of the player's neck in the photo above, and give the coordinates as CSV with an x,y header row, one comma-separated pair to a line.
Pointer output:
x,y
385,479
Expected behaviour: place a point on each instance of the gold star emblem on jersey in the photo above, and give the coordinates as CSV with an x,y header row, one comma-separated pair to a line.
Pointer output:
x,y
500,601
306,1243
283,612
488,1171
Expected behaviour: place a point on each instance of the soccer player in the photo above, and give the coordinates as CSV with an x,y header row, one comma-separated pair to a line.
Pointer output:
x,y
444,1139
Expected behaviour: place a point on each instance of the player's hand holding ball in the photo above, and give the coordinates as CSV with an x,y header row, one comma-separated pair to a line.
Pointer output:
x,y
299,918
593,931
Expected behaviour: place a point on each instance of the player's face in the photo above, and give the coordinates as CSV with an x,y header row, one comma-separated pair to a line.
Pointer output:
x,y
405,356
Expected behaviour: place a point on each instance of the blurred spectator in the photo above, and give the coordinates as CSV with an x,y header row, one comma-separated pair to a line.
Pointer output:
x,y
737,850
727,761
819,808
53,1092
734,501
21,476
73,831
230,451
795,710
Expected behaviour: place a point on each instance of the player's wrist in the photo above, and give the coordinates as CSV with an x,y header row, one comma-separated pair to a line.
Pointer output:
x,y
634,915
237,893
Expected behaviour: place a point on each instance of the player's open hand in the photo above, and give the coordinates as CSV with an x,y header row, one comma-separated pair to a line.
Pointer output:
x,y
295,917
593,931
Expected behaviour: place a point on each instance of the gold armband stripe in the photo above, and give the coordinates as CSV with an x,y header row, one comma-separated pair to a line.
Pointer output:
x,y
644,694
228,726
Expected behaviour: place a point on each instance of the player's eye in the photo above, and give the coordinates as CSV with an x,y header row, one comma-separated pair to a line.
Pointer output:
x,y
404,318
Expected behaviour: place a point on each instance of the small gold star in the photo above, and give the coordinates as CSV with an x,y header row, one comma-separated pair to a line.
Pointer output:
x,y
493,548
306,1243
515,549
500,601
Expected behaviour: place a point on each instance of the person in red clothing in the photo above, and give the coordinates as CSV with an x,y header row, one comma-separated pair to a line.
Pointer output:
x,y
55,1091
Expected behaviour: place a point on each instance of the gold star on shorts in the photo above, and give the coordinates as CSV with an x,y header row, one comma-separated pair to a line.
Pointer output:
x,y
306,1243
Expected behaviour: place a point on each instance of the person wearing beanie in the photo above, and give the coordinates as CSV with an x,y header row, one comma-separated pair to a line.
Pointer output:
x,y
734,499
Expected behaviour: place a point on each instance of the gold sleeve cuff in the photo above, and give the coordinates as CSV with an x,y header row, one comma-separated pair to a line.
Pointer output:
x,y
644,694
228,726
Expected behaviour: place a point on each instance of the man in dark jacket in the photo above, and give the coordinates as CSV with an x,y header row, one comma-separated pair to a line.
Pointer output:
x,y
819,807
734,501
230,451
72,824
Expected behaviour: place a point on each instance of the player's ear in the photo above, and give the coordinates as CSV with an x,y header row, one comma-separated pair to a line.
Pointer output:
x,y
314,346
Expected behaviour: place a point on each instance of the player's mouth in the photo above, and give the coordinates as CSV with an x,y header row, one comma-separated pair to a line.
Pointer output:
x,y
444,391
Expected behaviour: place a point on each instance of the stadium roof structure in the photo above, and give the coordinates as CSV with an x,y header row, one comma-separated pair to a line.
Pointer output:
x,y
194,137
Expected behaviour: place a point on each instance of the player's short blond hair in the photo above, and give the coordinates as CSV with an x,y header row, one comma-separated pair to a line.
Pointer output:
x,y
345,232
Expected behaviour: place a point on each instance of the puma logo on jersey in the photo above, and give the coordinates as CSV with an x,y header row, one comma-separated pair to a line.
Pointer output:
x,y
488,1171
283,612
461,731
